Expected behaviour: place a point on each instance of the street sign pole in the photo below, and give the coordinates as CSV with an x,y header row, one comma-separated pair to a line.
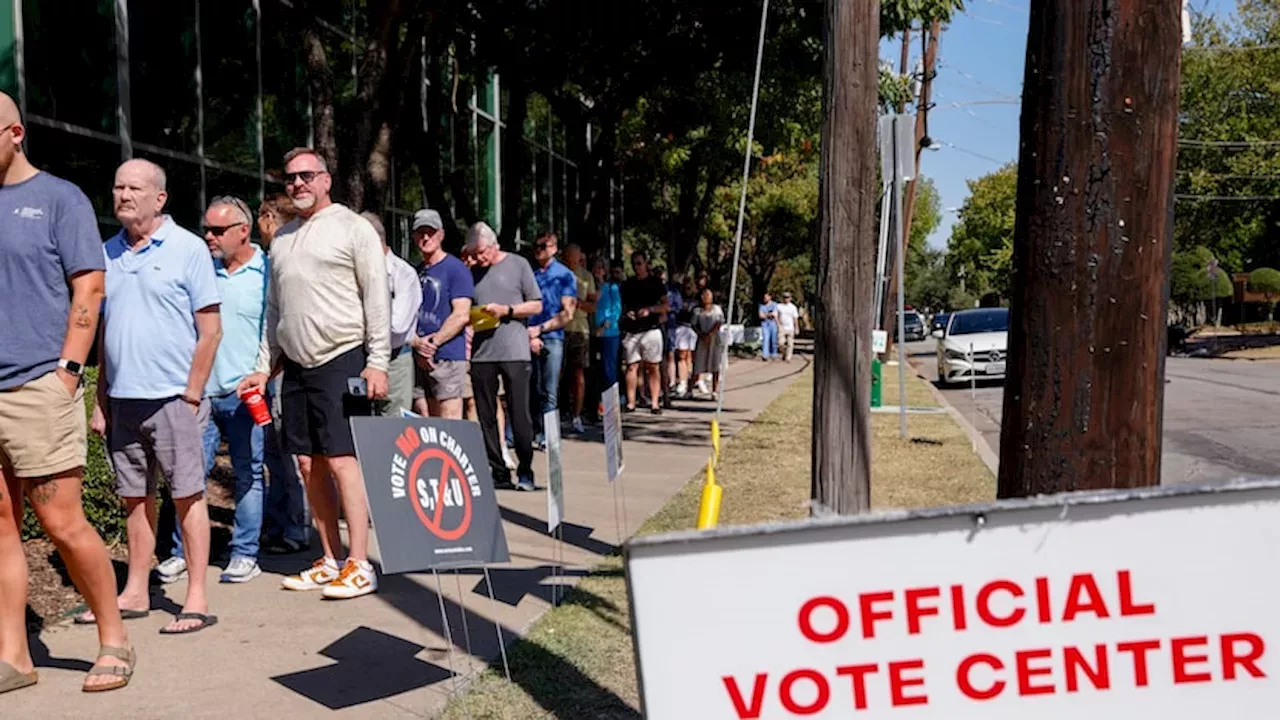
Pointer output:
x,y
902,167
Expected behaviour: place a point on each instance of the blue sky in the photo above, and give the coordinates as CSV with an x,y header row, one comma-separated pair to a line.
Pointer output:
x,y
980,66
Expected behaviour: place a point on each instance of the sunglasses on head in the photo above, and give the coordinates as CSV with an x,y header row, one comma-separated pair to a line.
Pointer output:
x,y
219,230
305,175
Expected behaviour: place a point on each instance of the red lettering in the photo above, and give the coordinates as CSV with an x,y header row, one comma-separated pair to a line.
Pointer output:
x,y
957,607
966,683
1181,659
1139,650
1042,600
407,441
1026,672
915,611
984,604
1086,585
898,683
1098,673
819,703
1250,661
757,696
870,615
806,620
858,674
1128,607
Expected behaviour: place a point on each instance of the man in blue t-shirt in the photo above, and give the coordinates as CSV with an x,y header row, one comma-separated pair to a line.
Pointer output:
x,y
440,345
52,275
559,289
768,312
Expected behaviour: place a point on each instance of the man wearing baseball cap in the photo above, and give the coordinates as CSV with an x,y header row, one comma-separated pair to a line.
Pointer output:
x,y
441,345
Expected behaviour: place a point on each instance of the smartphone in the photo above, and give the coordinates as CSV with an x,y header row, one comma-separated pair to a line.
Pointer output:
x,y
357,387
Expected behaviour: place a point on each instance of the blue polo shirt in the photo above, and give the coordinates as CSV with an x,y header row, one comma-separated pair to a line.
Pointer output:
x,y
244,310
556,281
153,294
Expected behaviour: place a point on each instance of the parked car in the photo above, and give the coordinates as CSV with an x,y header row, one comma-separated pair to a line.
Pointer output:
x,y
913,323
975,343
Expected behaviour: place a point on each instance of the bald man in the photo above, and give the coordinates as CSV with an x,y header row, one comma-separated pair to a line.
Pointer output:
x,y
53,267
161,330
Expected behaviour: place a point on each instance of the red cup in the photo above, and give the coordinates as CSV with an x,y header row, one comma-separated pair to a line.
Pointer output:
x,y
257,407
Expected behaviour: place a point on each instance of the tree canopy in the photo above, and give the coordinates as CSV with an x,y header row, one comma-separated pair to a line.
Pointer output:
x,y
982,241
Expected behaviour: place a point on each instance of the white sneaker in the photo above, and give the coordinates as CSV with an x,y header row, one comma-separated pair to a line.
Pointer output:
x,y
356,579
323,572
241,570
682,390
578,427
172,570
508,460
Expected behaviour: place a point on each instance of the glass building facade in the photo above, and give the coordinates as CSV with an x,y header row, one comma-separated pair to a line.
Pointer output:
x,y
216,91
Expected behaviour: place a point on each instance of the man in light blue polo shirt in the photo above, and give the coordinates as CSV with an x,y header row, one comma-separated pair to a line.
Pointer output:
x,y
241,269
161,329
559,289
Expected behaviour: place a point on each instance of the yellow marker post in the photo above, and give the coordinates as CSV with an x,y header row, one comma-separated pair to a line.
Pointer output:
x,y
715,439
709,509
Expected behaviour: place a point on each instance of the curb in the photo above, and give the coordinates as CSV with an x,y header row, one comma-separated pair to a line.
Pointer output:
x,y
985,453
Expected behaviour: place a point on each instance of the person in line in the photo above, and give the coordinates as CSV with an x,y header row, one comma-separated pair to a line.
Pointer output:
x,y
406,299
241,270
52,266
505,289
286,528
670,323
686,339
328,331
577,334
559,289
788,326
768,314
644,300
708,318
605,320
441,346
161,330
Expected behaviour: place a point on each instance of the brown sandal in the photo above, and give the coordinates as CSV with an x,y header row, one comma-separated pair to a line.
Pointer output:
x,y
122,674
11,679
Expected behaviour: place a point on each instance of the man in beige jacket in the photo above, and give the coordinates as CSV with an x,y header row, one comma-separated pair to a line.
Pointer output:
x,y
328,329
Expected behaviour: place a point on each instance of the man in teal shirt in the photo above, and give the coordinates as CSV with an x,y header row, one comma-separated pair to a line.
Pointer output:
x,y
242,273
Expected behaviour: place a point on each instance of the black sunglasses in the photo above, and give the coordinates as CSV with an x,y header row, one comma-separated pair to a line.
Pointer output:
x,y
306,175
219,230
542,245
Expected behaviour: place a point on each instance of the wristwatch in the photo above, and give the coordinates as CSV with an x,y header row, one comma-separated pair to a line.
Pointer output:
x,y
510,311
71,366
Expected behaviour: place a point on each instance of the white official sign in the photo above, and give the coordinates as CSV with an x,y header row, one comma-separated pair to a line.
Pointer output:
x,y
555,470
612,433
879,341
1160,603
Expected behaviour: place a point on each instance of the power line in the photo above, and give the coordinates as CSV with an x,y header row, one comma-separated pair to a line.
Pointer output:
x,y
1228,198
1228,176
1229,143
988,158
1230,48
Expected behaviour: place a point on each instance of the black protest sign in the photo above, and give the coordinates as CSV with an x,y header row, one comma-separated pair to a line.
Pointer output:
x,y
430,493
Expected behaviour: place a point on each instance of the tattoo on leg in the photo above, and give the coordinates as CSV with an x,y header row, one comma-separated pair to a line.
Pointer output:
x,y
82,319
41,493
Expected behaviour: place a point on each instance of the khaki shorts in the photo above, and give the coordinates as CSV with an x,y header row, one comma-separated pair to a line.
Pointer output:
x,y
642,347
448,380
43,430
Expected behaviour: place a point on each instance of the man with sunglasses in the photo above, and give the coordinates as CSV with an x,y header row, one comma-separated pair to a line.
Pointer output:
x,y
559,290
329,331
241,269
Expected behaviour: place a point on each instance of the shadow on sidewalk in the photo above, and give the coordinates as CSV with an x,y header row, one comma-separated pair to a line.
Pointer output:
x,y
578,536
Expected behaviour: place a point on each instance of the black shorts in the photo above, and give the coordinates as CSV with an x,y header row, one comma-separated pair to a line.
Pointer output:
x,y
314,406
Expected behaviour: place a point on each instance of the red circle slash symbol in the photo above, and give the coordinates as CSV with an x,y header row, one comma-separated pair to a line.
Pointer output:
x,y
449,469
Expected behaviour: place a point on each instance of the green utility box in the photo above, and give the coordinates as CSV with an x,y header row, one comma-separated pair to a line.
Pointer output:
x,y
877,386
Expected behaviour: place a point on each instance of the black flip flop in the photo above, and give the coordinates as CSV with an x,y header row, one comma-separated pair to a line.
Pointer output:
x,y
125,614
205,622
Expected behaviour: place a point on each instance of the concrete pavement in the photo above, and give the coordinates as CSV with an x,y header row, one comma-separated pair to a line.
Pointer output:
x,y
276,654
1220,417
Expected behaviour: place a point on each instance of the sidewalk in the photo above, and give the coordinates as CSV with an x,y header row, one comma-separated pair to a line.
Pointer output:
x,y
278,654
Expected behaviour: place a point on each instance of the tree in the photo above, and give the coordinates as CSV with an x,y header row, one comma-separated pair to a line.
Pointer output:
x,y
1266,281
1092,243
982,242
927,217
1190,286
841,444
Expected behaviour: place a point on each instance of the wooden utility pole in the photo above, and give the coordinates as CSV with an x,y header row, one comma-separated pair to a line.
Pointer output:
x,y
847,202
1092,242
888,316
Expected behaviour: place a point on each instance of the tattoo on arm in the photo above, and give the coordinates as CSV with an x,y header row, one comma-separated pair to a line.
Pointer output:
x,y
82,320
42,492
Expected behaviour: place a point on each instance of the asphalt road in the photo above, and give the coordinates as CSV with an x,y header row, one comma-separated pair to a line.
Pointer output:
x,y
1221,417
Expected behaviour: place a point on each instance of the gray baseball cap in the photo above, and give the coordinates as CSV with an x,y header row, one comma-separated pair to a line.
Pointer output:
x,y
427,219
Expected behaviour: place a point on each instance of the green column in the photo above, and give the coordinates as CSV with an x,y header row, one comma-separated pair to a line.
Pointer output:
x,y
490,101
8,49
